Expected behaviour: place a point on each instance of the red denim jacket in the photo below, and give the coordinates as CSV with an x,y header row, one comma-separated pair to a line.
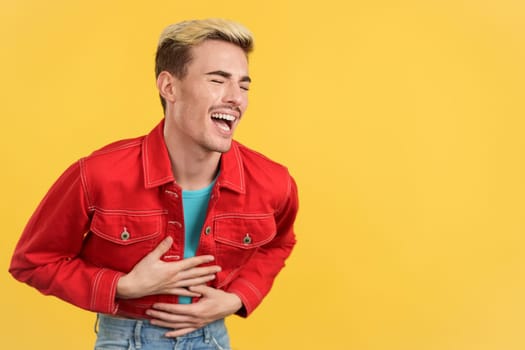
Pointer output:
x,y
108,210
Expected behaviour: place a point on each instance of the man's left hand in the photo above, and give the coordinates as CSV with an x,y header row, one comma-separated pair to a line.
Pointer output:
x,y
213,305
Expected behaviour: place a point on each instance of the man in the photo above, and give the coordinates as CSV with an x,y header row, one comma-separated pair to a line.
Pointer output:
x,y
167,234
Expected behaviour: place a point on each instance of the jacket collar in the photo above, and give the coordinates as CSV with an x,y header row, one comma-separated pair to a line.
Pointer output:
x,y
232,170
157,164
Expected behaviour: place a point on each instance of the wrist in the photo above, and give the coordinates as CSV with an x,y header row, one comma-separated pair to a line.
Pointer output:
x,y
236,303
125,288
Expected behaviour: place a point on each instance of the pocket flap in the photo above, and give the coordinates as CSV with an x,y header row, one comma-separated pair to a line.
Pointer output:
x,y
125,228
244,231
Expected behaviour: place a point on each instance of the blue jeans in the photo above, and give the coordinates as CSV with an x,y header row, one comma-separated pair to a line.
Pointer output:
x,y
128,334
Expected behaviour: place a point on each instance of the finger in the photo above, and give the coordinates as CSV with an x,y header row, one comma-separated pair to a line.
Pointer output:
x,y
175,320
195,281
201,289
196,275
179,332
162,248
194,261
200,271
182,292
173,309
174,325
181,311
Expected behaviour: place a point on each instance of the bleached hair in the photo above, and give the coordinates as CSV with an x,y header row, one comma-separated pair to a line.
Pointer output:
x,y
175,43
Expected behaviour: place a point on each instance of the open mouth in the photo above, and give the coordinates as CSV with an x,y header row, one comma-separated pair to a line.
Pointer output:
x,y
223,121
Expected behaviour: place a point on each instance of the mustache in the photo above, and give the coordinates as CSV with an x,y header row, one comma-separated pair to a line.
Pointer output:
x,y
226,106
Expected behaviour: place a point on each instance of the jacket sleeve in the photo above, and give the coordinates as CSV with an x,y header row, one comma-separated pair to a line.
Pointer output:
x,y
257,276
47,256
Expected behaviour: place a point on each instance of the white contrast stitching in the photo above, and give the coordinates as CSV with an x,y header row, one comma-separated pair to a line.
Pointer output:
x,y
94,288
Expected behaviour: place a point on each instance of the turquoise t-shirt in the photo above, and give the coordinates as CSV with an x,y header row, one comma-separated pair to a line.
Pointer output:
x,y
195,204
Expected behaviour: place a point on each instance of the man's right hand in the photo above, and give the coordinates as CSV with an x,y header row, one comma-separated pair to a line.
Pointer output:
x,y
153,276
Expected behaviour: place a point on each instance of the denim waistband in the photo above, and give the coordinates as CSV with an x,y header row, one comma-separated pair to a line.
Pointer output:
x,y
143,330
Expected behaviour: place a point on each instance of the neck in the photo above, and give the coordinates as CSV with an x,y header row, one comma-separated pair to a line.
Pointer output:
x,y
193,167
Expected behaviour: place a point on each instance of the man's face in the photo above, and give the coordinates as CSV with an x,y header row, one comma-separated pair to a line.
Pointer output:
x,y
212,97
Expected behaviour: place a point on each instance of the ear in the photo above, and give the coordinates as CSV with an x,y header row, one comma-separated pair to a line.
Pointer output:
x,y
166,84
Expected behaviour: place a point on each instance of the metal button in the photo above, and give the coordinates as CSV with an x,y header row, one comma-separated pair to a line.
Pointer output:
x,y
125,234
247,239
207,230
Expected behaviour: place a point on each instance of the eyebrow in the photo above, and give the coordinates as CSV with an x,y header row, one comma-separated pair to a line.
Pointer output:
x,y
229,75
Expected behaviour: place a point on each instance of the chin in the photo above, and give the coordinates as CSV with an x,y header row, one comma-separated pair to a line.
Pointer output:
x,y
224,147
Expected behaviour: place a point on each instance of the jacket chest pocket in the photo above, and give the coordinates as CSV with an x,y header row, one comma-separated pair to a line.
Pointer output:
x,y
238,237
119,240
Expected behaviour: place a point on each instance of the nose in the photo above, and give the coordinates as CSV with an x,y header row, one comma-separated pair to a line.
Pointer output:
x,y
234,94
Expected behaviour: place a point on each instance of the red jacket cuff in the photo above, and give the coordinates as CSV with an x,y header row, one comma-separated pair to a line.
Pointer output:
x,y
103,291
250,296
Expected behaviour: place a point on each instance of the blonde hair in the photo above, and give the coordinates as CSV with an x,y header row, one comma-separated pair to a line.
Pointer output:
x,y
175,43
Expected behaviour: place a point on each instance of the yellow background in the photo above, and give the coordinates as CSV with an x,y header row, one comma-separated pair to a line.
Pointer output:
x,y
402,122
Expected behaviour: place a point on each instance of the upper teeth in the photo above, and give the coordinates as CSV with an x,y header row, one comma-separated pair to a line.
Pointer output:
x,y
223,116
